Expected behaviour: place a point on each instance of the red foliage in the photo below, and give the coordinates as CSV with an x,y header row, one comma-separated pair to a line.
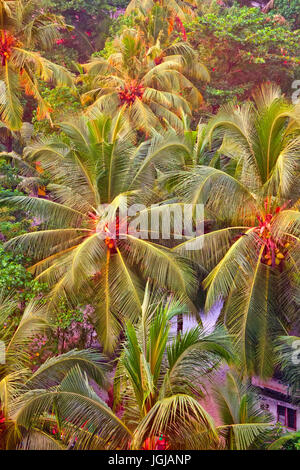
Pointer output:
x,y
2,423
180,27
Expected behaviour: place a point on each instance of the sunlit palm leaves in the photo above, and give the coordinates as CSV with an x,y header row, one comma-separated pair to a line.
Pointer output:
x,y
243,422
16,376
73,254
153,383
22,65
182,9
158,381
288,361
252,253
258,287
262,138
151,94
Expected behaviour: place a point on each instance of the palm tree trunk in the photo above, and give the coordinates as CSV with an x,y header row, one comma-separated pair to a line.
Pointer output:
x,y
179,323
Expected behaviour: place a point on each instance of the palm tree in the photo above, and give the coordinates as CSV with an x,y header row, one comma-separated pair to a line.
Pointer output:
x,y
24,30
252,253
16,375
30,174
244,424
88,245
157,385
153,92
159,23
183,10
288,350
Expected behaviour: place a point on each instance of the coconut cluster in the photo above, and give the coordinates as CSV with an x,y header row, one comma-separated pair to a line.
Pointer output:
x,y
7,42
275,251
130,92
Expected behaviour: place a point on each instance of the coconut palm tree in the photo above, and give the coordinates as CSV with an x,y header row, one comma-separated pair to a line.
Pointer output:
x,y
24,31
89,245
288,350
152,83
183,10
158,23
252,253
157,385
16,375
244,424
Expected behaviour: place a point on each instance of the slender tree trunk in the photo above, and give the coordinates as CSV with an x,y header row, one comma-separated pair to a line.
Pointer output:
x,y
9,144
179,323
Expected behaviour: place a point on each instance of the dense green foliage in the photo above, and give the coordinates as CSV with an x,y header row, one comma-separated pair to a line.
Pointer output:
x,y
289,9
244,47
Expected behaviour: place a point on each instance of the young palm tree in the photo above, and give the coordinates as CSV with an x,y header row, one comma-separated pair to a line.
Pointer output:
x,y
157,385
88,245
152,92
252,254
16,375
24,30
288,350
243,422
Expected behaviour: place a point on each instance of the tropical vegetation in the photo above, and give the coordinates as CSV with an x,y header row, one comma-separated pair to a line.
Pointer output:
x,y
114,115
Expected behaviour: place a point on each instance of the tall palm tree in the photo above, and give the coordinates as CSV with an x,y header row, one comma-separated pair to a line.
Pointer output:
x,y
157,385
24,31
88,246
16,375
252,253
152,92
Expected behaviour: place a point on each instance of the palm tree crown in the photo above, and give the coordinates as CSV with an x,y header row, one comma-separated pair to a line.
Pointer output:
x,y
252,253
22,33
157,383
152,91
76,250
